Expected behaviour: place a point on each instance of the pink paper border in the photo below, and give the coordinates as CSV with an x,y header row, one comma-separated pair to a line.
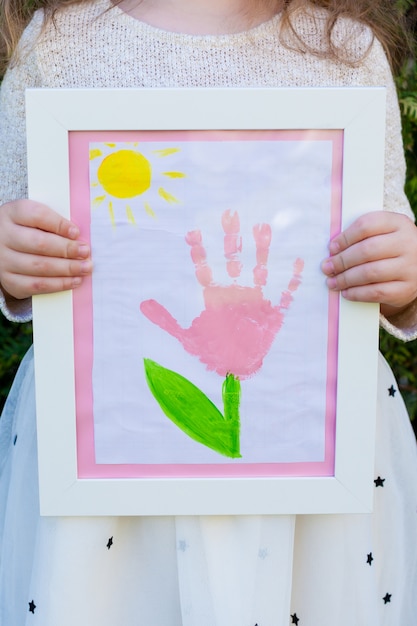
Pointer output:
x,y
83,321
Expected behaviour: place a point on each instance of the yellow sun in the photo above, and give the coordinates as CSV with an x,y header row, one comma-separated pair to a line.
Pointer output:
x,y
127,173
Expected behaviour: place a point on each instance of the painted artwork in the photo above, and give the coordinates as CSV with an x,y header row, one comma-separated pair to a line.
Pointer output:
x,y
231,337
210,348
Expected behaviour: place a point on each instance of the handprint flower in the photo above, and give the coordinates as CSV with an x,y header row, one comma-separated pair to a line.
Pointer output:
x,y
236,330
238,325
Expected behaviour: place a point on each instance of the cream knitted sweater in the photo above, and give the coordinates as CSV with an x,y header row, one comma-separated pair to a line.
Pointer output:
x,y
97,45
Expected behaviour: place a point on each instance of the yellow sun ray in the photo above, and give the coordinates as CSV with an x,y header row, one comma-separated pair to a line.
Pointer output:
x,y
98,200
174,174
130,216
111,213
166,151
148,209
167,196
95,153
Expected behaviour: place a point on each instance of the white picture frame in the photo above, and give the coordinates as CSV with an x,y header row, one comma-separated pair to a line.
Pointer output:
x,y
52,116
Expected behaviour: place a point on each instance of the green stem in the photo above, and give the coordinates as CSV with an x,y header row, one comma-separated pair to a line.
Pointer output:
x,y
231,402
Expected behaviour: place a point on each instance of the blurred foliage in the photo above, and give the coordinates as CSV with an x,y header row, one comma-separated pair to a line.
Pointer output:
x,y
402,357
16,338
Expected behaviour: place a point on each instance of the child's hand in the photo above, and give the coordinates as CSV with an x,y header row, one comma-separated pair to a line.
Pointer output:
x,y
375,260
39,251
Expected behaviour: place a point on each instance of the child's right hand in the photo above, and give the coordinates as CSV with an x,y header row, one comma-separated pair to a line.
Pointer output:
x,y
40,251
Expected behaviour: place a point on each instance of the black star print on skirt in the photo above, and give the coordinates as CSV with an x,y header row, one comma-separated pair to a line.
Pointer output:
x,y
32,606
392,391
109,543
379,482
387,598
369,558
294,619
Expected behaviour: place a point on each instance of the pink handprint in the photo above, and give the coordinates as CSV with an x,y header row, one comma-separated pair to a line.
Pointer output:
x,y
235,331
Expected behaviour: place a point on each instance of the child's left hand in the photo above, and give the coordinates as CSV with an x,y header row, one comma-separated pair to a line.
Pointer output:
x,y
375,260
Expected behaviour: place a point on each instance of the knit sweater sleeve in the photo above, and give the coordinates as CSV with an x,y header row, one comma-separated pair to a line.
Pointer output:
x,y
23,73
404,325
395,169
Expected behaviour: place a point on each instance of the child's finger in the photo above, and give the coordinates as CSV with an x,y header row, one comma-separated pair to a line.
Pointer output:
x,y
36,215
26,286
371,273
40,265
366,226
392,292
29,240
366,251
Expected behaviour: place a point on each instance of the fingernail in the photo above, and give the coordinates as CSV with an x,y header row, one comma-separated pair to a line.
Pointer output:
x,y
331,283
73,232
327,267
86,267
83,250
334,247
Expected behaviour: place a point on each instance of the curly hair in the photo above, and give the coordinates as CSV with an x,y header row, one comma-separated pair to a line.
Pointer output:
x,y
384,18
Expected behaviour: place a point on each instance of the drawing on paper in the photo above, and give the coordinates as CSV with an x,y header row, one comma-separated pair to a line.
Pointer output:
x,y
218,372
231,337
127,173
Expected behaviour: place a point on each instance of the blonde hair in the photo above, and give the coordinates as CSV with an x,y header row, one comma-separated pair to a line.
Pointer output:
x,y
382,16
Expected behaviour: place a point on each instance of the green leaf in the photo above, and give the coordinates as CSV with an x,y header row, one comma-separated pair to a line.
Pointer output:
x,y
409,107
192,411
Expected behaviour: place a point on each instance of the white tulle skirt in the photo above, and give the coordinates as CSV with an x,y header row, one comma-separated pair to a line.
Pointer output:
x,y
343,570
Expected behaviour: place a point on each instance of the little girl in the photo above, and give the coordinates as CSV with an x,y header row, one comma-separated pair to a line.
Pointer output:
x,y
342,570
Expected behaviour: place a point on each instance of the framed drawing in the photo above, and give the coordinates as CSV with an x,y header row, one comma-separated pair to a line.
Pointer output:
x,y
205,368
